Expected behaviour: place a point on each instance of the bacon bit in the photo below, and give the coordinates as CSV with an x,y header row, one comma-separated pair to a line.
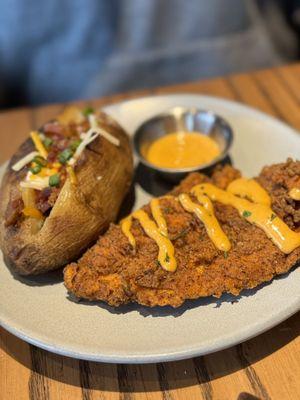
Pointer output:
x,y
56,137
53,196
54,128
43,207
46,199
63,144
42,202
52,154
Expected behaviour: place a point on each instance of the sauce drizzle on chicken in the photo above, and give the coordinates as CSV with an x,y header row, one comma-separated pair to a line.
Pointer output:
x,y
260,215
246,195
166,256
205,212
294,193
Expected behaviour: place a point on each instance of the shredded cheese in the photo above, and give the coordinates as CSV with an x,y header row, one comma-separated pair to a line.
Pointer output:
x,y
38,144
72,175
45,172
72,161
108,136
37,183
24,161
93,121
94,125
89,137
56,165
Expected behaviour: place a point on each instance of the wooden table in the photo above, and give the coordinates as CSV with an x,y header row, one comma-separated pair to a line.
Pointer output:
x,y
267,367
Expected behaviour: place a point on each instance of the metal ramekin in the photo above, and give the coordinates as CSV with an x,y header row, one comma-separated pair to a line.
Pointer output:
x,y
182,119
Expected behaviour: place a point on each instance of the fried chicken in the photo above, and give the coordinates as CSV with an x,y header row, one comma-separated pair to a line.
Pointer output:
x,y
113,272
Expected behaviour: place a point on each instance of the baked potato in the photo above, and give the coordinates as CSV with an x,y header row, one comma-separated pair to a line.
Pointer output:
x,y
62,188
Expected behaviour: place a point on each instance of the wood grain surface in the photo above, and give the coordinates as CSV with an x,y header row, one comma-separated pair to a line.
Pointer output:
x,y
266,367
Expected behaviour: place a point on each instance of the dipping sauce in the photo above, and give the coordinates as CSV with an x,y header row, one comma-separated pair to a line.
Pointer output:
x,y
182,150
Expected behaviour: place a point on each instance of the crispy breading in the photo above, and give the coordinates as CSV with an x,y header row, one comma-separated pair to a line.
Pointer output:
x,y
113,272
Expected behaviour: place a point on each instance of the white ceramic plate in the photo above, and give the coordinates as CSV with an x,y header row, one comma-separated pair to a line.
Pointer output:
x,y
38,310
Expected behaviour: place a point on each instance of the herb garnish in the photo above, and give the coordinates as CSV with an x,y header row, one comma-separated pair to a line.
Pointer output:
x,y
47,142
87,111
35,169
54,180
225,254
167,258
246,213
39,160
65,155
75,144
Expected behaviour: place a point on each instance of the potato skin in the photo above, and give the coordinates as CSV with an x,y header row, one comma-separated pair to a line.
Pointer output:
x,y
81,212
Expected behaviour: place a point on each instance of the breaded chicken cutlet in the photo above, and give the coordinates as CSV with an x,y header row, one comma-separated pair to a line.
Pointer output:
x,y
115,272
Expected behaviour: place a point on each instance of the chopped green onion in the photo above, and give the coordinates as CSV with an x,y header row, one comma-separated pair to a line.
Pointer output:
x,y
87,111
247,213
54,180
65,155
47,142
35,169
40,161
167,258
75,144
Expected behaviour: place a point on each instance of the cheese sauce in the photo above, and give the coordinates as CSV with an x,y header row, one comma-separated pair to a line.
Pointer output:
x,y
182,150
158,217
249,189
206,215
294,193
258,214
166,249
126,226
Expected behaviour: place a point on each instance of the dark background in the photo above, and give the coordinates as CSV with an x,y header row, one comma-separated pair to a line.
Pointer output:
x,y
61,50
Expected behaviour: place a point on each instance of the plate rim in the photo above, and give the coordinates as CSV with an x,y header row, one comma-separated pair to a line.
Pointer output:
x,y
185,352
221,100
230,341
